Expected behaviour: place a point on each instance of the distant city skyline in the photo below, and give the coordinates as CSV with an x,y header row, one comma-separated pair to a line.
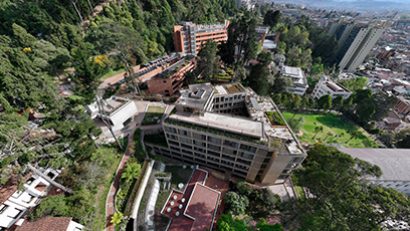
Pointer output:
x,y
359,5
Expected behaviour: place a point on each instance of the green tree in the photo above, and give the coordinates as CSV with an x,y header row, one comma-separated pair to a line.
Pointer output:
x,y
235,203
262,225
341,199
208,61
131,172
227,223
403,139
51,206
325,102
260,74
272,18
117,218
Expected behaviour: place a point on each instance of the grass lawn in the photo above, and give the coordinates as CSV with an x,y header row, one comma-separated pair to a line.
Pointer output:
x,y
153,115
336,130
101,196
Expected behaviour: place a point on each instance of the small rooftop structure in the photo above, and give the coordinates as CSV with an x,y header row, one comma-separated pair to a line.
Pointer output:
x,y
197,97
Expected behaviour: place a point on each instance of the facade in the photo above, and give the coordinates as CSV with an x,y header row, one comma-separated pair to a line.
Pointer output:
x,y
51,224
115,110
394,164
297,79
189,37
355,41
325,86
170,81
259,148
163,75
14,203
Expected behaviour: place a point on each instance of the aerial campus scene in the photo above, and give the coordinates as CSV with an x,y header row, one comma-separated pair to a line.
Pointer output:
x,y
187,115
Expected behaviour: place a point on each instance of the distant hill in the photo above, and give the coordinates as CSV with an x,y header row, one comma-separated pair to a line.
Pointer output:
x,y
358,5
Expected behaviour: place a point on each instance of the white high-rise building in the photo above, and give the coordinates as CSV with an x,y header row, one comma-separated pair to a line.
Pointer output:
x,y
365,40
354,41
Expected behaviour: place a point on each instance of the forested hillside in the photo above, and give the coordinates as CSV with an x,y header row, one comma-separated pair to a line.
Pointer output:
x,y
44,39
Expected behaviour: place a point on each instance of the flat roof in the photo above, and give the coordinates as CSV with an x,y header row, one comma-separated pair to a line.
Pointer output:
x,y
224,122
202,207
232,88
294,72
198,211
394,163
196,96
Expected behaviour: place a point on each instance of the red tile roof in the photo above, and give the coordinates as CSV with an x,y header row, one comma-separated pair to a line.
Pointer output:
x,y
198,210
202,207
46,224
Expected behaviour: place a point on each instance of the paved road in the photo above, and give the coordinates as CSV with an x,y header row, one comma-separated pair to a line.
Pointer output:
x,y
110,201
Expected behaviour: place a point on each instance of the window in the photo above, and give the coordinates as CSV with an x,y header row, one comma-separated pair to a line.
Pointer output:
x,y
3,208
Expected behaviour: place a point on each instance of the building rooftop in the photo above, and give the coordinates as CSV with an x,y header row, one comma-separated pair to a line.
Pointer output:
x,y
295,73
258,108
110,105
332,85
394,163
207,27
225,122
232,88
196,96
195,208
259,125
46,224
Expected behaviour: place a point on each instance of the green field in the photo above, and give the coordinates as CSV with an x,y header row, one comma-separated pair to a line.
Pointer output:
x,y
336,130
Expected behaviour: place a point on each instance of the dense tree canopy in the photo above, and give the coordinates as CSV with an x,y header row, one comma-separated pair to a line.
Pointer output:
x,y
340,199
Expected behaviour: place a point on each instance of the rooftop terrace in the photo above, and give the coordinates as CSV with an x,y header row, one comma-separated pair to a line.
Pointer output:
x,y
225,122
230,89
195,208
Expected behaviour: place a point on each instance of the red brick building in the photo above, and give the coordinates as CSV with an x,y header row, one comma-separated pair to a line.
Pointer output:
x,y
189,37
170,80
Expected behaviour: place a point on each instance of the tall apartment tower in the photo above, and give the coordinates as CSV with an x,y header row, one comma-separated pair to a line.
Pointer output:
x,y
355,41
189,37
230,129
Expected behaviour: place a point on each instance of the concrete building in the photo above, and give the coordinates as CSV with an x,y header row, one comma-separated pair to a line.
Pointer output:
x,y
355,41
325,86
189,37
258,147
296,78
51,224
394,164
15,203
402,107
115,110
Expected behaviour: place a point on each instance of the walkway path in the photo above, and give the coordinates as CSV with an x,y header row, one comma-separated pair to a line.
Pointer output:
x,y
110,201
